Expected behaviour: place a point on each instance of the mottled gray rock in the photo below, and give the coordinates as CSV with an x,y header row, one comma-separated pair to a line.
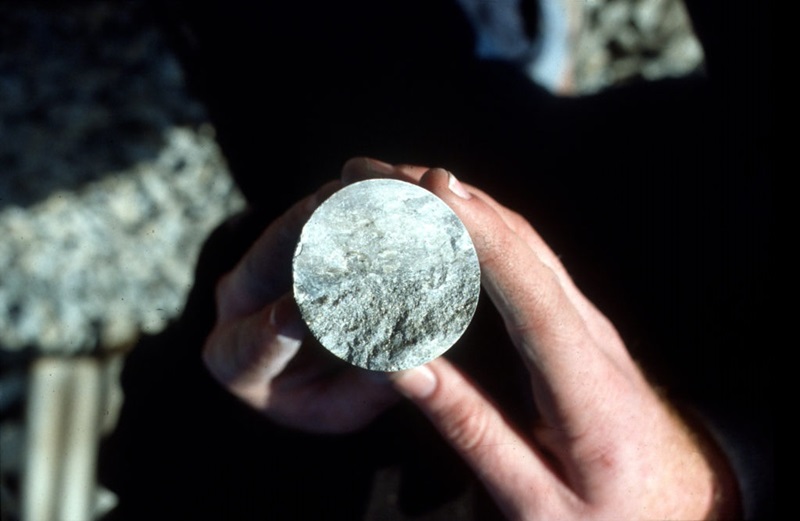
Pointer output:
x,y
622,41
110,178
94,268
385,275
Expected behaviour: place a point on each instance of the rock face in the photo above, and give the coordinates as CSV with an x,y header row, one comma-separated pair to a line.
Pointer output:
x,y
385,275
110,178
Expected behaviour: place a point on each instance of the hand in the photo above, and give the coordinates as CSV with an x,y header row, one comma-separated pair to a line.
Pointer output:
x,y
256,348
606,445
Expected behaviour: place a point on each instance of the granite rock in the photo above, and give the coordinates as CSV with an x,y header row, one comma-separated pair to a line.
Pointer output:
x,y
386,275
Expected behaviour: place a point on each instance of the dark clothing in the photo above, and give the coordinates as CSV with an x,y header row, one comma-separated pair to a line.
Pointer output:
x,y
655,195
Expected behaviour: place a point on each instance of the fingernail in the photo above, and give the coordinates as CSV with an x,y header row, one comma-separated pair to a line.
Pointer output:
x,y
285,319
456,187
417,383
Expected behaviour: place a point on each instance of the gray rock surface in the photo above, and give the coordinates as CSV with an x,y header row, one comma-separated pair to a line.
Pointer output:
x,y
386,275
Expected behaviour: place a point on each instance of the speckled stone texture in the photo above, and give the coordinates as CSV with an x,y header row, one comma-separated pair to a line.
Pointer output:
x,y
385,275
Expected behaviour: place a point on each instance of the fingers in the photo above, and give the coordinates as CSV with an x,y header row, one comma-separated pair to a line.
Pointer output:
x,y
525,289
505,462
599,426
245,355
337,401
264,272
601,329
567,367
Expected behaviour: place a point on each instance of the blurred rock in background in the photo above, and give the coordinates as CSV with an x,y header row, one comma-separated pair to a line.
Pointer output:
x,y
633,40
110,180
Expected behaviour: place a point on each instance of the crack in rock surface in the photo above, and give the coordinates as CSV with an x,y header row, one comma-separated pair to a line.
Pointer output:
x,y
385,275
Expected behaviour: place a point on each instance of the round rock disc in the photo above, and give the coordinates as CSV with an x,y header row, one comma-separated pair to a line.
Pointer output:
x,y
385,275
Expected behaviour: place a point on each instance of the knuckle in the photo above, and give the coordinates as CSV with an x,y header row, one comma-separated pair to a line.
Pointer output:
x,y
468,427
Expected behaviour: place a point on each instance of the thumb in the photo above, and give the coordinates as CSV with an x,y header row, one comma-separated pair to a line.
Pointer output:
x,y
475,428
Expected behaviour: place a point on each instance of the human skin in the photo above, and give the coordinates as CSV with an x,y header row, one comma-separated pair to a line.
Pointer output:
x,y
606,445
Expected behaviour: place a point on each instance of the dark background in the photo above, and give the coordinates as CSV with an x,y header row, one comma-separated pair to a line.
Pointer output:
x,y
657,195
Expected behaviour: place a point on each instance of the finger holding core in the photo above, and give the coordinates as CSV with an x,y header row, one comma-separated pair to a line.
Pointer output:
x,y
385,275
